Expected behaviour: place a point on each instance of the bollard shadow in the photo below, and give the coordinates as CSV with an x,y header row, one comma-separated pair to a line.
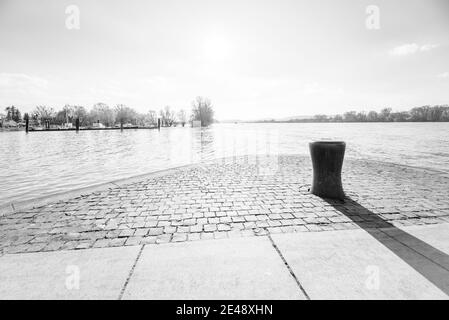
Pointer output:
x,y
430,262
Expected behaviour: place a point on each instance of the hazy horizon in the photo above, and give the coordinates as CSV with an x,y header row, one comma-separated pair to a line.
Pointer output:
x,y
253,59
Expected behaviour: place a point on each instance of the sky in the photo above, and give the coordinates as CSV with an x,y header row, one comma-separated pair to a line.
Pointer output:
x,y
253,59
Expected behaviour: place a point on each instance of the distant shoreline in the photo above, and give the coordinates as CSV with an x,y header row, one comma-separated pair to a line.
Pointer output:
x,y
437,113
220,122
316,121
343,121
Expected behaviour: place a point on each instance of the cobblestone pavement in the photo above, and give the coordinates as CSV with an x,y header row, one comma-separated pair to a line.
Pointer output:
x,y
231,197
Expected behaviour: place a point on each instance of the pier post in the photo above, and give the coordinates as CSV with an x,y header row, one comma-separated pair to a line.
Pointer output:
x,y
327,161
77,124
159,123
27,122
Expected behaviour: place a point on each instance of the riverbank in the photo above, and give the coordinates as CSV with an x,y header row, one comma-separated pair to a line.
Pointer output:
x,y
231,197
291,244
39,165
11,129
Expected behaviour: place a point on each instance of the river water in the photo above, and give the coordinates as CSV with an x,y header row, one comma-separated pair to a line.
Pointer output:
x,y
43,163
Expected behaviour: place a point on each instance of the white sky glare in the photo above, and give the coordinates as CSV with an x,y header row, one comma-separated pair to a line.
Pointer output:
x,y
253,59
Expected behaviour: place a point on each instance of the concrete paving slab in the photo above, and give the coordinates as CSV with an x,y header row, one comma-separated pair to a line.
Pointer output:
x,y
355,264
102,274
431,241
243,268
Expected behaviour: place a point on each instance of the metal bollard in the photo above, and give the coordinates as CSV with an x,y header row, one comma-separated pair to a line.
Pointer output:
x,y
327,161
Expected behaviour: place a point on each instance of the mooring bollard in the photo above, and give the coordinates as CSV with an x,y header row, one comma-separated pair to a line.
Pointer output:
x,y
327,161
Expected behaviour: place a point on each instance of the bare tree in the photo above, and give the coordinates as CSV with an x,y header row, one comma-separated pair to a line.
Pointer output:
x,y
385,114
79,112
13,113
152,117
372,116
67,112
182,117
202,110
44,113
103,113
167,116
146,119
2,118
124,114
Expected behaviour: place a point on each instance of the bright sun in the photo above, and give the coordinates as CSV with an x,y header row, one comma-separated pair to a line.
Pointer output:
x,y
216,49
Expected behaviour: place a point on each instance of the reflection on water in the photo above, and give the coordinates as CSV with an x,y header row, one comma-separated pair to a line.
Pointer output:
x,y
42,163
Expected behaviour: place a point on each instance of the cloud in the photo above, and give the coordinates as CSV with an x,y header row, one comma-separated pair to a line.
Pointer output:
x,y
19,87
428,47
411,48
443,75
20,80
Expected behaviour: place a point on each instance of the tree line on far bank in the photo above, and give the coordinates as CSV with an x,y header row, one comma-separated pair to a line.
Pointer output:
x,y
120,114
418,114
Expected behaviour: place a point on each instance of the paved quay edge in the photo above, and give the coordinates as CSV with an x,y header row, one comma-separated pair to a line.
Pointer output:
x,y
12,207
228,197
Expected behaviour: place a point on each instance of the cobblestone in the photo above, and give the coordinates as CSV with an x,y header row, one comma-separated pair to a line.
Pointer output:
x,y
231,197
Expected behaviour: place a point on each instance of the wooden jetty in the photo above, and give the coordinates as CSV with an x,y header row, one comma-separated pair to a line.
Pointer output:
x,y
88,129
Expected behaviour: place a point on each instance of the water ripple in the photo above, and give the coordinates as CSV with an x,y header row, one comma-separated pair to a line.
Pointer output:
x,y
42,163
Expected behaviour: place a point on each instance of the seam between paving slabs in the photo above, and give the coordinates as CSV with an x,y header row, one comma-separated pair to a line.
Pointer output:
x,y
290,270
130,273
414,250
